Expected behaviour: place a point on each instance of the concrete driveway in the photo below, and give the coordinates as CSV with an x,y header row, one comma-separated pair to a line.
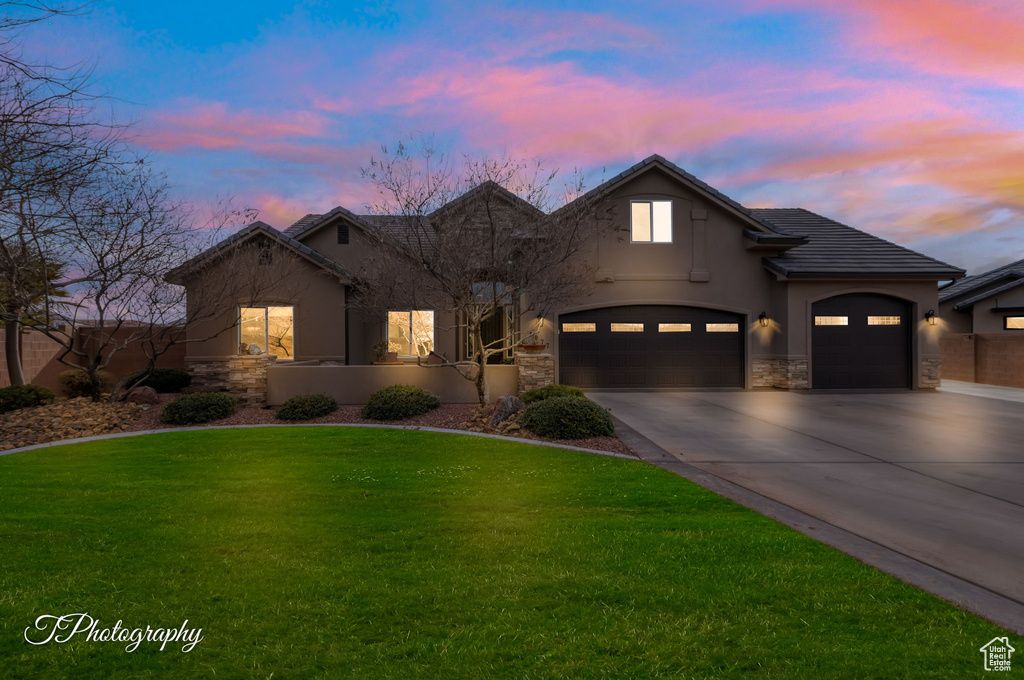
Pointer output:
x,y
938,477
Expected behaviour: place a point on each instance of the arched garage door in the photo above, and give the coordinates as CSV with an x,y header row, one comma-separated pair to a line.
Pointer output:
x,y
860,341
651,346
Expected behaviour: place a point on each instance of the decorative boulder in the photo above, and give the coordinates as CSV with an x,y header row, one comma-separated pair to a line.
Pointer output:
x,y
142,395
505,408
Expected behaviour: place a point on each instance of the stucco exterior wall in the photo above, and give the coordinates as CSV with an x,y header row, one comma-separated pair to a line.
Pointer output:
x,y
355,384
318,299
987,321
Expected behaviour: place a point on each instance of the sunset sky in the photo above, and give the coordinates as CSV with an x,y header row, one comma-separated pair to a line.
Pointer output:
x,y
901,117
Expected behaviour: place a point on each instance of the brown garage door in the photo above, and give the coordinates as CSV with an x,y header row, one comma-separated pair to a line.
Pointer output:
x,y
651,346
860,341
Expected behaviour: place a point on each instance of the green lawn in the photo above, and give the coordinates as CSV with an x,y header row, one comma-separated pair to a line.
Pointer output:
x,y
368,553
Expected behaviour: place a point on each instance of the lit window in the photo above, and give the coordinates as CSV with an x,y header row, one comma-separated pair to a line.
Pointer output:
x,y
673,328
722,328
267,330
884,320
1014,323
651,222
831,321
411,334
627,328
579,327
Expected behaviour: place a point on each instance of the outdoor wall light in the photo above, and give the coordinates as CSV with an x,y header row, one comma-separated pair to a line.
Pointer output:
x,y
929,316
762,319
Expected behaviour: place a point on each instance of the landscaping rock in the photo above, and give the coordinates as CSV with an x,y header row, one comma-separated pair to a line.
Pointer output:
x,y
65,419
504,408
143,395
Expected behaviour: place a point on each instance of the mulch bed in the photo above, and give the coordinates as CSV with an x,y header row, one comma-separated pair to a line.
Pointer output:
x,y
65,420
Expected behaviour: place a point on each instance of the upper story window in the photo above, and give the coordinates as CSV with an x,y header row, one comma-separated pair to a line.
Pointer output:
x,y
1013,323
650,222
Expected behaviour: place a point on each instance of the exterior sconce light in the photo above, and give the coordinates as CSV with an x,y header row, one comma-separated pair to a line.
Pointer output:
x,y
762,319
929,316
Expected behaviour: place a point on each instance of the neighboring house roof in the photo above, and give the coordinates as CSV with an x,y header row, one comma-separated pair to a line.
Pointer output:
x,y
835,249
175,275
972,284
971,301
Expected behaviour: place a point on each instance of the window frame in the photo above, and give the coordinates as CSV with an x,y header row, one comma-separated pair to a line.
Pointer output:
x,y
1006,322
651,202
266,330
433,330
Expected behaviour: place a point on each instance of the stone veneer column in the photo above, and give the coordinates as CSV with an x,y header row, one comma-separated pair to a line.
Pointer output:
x,y
763,372
535,370
931,372
793,374
244,376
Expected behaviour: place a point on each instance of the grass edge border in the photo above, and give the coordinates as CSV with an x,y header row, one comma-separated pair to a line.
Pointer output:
x,y
120,435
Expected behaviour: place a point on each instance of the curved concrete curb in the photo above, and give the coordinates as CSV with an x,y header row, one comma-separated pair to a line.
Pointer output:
x,y
442,430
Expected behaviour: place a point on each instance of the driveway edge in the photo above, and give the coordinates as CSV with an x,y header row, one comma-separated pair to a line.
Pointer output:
x,y
964,594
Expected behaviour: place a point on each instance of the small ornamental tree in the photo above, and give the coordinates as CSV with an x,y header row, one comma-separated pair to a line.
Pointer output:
x,y
476,239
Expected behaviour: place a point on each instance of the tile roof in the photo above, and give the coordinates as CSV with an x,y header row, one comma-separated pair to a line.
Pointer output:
x,y
269,231
971,284
835,249
971,301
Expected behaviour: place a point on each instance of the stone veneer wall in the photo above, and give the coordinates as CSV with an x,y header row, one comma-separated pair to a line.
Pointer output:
x,y
787,374
535,370
243,376
931,372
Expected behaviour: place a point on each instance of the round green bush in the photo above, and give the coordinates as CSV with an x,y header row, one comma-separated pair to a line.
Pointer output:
x,y
306,406
77,383
567,418
24,396
550,392
399,401
201,407
162,379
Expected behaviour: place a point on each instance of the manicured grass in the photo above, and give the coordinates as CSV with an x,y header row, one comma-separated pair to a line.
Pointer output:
x,y
339,552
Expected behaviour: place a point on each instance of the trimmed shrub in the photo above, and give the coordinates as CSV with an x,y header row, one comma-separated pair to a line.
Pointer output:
x,y
399,401
567,418
23,396
162,379
306,406
77,383
202,407
550,392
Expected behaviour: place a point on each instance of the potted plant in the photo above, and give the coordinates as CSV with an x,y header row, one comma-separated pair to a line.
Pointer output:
x,y
531,348
383,356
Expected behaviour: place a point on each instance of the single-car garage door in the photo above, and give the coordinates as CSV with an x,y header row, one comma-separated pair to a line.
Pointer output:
x,y
651,346
860,341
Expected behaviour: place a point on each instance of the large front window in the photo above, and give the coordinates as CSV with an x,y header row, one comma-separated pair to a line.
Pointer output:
x,y
411,334
268,330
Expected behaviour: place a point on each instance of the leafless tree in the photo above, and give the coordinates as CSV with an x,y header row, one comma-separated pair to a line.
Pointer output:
x,y
54,149
117,247
476,239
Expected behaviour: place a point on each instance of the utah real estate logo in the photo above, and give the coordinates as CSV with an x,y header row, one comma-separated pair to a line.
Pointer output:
x,y
997,654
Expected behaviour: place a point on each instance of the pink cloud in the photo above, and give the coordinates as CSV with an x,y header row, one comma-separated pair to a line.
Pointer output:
x,y
213,125
976,39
